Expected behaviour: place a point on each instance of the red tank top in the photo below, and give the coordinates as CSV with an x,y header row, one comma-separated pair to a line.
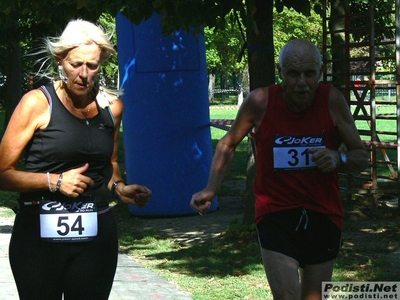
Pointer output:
x,y
286,177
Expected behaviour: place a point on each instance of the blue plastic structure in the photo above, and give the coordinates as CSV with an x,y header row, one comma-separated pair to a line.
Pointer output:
x,y
166,129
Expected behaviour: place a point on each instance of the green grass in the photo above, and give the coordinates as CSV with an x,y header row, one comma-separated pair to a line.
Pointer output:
x,y
228,267
238,165
382,125
386,158
225,268
221,99
368,252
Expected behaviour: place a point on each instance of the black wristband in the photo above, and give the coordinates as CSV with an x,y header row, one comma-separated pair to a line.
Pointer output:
x,y
114,188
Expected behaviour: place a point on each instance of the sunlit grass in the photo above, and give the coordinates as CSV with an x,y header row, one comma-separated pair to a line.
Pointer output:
x,y
227,267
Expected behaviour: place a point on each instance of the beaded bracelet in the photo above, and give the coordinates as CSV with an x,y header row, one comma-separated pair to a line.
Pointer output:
x,y
58,184
114,188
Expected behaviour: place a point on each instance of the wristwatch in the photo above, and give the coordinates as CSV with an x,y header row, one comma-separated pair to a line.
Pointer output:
x,y
343,158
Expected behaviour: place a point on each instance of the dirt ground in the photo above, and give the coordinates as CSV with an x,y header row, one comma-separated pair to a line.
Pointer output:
x,y
196,228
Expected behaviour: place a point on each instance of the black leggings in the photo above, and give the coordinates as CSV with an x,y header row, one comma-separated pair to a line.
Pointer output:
x,y
79,271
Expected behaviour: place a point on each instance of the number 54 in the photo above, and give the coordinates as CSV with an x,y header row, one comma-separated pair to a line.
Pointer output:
x,y
76,225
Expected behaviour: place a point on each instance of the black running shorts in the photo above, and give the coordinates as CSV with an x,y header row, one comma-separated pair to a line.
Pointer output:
x,y
307,236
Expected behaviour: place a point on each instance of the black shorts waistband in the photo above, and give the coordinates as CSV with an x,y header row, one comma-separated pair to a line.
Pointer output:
x,y
70,200
33,206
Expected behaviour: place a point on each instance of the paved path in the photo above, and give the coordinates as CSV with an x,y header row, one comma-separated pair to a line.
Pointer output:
x,y
132,281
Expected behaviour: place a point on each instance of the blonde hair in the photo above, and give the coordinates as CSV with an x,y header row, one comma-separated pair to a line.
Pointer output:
x,y
77,33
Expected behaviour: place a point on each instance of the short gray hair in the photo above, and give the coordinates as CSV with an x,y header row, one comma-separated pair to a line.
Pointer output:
x,y
300,46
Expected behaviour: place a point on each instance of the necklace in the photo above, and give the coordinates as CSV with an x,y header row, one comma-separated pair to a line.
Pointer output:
x,y
85,112
70,103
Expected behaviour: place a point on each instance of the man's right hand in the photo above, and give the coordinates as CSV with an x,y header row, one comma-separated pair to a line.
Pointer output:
x,y
201,201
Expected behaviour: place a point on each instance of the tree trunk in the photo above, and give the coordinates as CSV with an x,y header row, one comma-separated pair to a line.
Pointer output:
x,y
211,87
260,46
14,80
337,22
240,98
14,83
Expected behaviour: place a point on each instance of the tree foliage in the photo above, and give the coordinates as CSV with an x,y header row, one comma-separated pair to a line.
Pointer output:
x,y
300,26
184,14
26,21
223,47
384,30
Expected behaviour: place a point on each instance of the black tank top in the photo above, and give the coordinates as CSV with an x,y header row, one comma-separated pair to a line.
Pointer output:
x,y
69,142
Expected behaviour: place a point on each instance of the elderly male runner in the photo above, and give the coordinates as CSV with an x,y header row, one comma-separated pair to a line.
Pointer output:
x,y
304,134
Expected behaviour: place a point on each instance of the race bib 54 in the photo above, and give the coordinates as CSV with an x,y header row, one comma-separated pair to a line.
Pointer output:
x,y
68,222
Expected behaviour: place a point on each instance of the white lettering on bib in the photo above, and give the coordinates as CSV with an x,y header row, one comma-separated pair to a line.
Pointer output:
x,y
291,152
68,222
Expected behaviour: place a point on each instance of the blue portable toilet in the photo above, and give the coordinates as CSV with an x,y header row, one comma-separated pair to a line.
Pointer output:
x,y
166,131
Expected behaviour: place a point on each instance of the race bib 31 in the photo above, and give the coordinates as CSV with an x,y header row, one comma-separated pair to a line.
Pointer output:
x,y
291,152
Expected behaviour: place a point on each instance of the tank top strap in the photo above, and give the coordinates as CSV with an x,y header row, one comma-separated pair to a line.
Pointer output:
x,y
46,92
50,93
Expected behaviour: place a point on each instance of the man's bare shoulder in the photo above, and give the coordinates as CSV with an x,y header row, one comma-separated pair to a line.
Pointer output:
x,y
337,101
259,94
258,98
254,107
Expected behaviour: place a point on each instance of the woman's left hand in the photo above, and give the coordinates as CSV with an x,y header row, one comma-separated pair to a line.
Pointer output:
x,y
135,194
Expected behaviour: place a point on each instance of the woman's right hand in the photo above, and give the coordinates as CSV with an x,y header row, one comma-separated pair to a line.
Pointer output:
x,y
74,183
